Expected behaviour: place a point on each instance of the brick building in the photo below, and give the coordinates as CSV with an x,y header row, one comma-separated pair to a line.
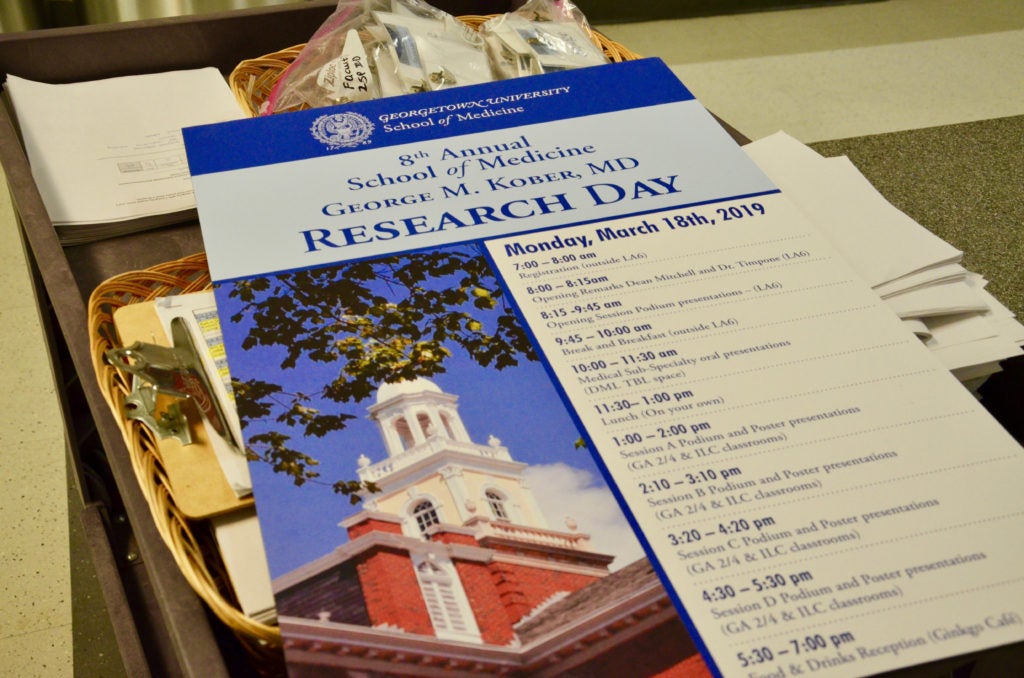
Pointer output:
x,y
452,569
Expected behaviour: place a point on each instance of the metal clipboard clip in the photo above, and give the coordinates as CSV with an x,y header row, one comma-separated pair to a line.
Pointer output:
x,y
177,371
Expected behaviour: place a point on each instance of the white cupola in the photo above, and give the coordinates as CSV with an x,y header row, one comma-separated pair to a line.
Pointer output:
x,y
409,413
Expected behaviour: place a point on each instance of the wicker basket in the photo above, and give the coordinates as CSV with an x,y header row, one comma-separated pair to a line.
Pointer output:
x,y
191,542
252,80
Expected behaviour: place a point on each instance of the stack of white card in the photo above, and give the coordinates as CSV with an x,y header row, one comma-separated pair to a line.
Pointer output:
x,y
917,273
107,155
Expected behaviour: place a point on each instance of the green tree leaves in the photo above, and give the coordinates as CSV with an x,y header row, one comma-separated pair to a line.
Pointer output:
x,y
380,321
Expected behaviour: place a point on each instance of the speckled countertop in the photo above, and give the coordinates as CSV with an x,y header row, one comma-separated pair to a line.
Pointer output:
x,y
963,182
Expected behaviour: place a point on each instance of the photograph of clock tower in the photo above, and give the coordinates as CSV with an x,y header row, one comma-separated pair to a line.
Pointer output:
x,y
452,568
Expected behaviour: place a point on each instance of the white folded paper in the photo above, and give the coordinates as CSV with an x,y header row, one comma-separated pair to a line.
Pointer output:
x,y
914,271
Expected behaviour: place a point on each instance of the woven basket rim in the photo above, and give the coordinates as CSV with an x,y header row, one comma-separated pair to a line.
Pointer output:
x,y
198,566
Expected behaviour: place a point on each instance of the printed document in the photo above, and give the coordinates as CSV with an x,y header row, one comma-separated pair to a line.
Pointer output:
x,y
815,490
111,150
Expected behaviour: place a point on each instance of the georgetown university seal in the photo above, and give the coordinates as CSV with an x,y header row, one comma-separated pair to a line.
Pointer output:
x,y
342,130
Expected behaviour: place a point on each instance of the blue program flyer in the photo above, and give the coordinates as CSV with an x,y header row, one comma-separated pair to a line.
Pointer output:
x,y
587,258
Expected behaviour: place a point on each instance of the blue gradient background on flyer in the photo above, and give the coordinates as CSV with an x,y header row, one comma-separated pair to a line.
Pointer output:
x,y
266,140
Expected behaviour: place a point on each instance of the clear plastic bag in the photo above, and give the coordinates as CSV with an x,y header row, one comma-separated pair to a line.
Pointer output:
x,y
431,54
369,49
542,36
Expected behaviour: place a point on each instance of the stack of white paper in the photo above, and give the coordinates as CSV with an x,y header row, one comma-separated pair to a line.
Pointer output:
x,y
915,272
108,156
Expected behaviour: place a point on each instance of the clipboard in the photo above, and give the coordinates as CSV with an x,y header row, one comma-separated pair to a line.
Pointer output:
x,y
197,481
